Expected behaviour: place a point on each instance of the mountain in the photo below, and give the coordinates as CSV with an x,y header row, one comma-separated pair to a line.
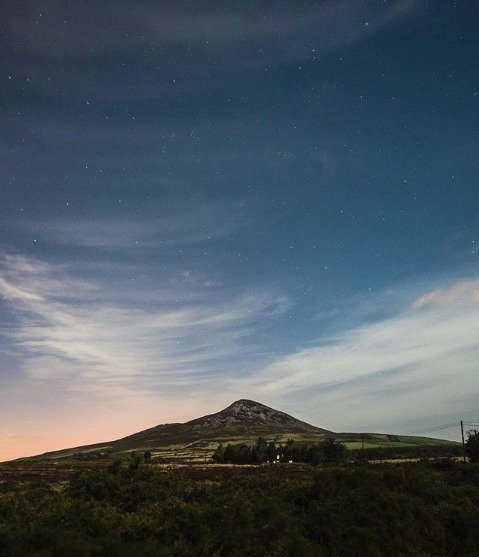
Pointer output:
x,y
250,416
241,422
244,419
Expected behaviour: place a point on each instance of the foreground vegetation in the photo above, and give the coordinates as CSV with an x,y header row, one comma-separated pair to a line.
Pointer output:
x,y
128,509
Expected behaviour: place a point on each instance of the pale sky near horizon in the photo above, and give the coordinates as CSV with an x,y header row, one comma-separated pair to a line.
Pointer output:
x,y
207,201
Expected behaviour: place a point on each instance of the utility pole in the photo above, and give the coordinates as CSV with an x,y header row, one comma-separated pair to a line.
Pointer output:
x,y
362,440
463,443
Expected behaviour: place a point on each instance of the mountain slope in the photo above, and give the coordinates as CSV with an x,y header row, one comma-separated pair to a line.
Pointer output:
x,y
243,418
241,422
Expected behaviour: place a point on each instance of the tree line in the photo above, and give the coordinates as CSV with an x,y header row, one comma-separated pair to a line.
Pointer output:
x,y
329,451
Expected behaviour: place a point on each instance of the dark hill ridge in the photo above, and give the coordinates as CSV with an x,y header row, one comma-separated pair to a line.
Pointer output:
x,y
243,421
243,418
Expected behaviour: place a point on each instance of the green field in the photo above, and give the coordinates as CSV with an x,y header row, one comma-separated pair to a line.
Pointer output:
x,y
201,451
402,441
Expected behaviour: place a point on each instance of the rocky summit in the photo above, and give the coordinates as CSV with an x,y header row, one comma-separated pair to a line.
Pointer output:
x,y
246,413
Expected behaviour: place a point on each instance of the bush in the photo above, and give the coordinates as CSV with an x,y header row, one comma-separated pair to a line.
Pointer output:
x,y
410,509
472,446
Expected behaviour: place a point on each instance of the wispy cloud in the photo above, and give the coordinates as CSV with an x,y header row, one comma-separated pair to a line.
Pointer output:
x,y
411,365
206,221
109,347
75,28
465,292
408,366
207,42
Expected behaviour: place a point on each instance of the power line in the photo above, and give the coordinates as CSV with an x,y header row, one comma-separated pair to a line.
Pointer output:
x,y
436,428
443,427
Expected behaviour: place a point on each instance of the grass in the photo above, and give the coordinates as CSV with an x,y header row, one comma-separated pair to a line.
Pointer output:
x,y
424,440
200,451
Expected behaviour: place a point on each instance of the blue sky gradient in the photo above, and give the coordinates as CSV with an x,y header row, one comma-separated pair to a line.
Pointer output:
x,y
211,201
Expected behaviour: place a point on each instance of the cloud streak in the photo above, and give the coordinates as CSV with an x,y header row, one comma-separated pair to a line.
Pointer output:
x,y
208,42
463,292
400,370
205,222
105,347
418,363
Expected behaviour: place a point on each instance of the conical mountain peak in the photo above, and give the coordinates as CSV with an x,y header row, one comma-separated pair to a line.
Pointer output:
x,y
244,404
242,419
248,416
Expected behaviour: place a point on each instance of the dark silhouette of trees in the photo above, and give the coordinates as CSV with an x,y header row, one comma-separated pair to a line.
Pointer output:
x,y
260,451
329,451
332,451
135,460
271,452
219,454
472,445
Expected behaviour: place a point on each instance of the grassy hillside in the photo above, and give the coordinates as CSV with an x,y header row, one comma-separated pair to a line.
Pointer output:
x,y
200,451
241,422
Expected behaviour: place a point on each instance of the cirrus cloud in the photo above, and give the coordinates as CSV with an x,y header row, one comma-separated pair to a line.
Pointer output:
x,y
466,292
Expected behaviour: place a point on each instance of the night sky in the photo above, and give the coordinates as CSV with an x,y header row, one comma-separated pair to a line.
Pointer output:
x,y
212,200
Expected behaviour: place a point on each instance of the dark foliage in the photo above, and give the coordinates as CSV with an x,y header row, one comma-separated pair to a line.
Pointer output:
x,y
426,508
328,451
472,446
